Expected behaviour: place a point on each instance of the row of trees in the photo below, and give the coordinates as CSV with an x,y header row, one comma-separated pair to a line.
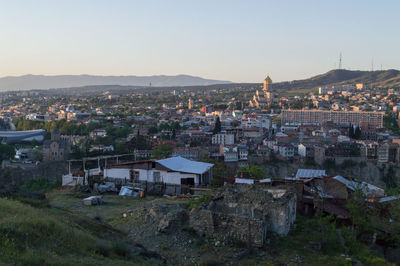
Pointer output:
x,y
354,132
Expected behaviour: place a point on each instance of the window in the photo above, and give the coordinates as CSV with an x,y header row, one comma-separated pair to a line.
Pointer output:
x,y
156,177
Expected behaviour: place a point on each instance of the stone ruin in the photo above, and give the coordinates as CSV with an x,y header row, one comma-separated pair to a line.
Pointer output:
x,y
246,213
237,213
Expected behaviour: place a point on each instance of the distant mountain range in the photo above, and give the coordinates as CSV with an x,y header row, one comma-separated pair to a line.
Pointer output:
x,y
31,82
384,78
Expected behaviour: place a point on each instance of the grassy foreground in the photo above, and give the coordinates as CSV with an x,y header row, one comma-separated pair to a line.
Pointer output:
x,y
50,236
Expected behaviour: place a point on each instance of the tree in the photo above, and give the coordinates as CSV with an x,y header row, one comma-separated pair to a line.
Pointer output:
x,y
360,212
390,178
37,155
217,127
138,142
163,151
6,152
252,171
153,130
351,132
4,124
357,133
219,173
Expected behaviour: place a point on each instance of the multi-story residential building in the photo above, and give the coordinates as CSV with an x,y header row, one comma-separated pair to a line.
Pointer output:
x,y
190,153
305,150
230,154
243,152
369,150
383,154
339,117
387,152
325,90
252,133
223,138
286,150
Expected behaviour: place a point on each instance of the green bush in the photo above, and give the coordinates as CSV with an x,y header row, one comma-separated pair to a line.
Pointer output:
x,y
360,250
252,171
348,164
40,185
102,248
329,164
196,202
121,249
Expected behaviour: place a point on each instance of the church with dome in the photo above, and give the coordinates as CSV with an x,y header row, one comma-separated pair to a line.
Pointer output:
x,y
266,98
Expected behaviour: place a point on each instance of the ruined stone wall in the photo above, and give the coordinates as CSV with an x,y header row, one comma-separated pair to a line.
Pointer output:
x,y
282,216
228,228
246,213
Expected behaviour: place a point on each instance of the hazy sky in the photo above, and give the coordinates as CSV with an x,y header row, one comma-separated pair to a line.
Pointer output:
x,y
230,40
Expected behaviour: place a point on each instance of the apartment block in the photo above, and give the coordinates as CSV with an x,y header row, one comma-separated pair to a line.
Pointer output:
x,y
374,119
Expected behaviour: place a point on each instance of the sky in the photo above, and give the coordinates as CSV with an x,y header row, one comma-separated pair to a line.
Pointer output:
x,y
240,41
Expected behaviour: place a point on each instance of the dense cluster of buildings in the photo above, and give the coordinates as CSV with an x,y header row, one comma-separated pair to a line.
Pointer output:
x,y
340,123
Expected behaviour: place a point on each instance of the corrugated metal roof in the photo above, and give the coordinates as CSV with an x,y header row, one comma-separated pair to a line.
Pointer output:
x,y
349,184
181,164
390,198
310,173
365,187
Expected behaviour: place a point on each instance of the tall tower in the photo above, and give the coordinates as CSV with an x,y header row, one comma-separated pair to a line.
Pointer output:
x,y
267,83
269,94
190,104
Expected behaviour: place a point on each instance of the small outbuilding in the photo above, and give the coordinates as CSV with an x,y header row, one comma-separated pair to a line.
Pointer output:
x,y
175,175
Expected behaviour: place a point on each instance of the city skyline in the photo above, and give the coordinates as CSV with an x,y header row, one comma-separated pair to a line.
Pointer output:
x,y
227,40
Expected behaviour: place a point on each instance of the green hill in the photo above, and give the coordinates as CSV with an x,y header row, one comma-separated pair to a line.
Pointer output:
x,y
384,78
50,236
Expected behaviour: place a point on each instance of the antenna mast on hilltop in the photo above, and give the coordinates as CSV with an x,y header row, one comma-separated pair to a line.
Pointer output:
x,y
340,60
372,65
